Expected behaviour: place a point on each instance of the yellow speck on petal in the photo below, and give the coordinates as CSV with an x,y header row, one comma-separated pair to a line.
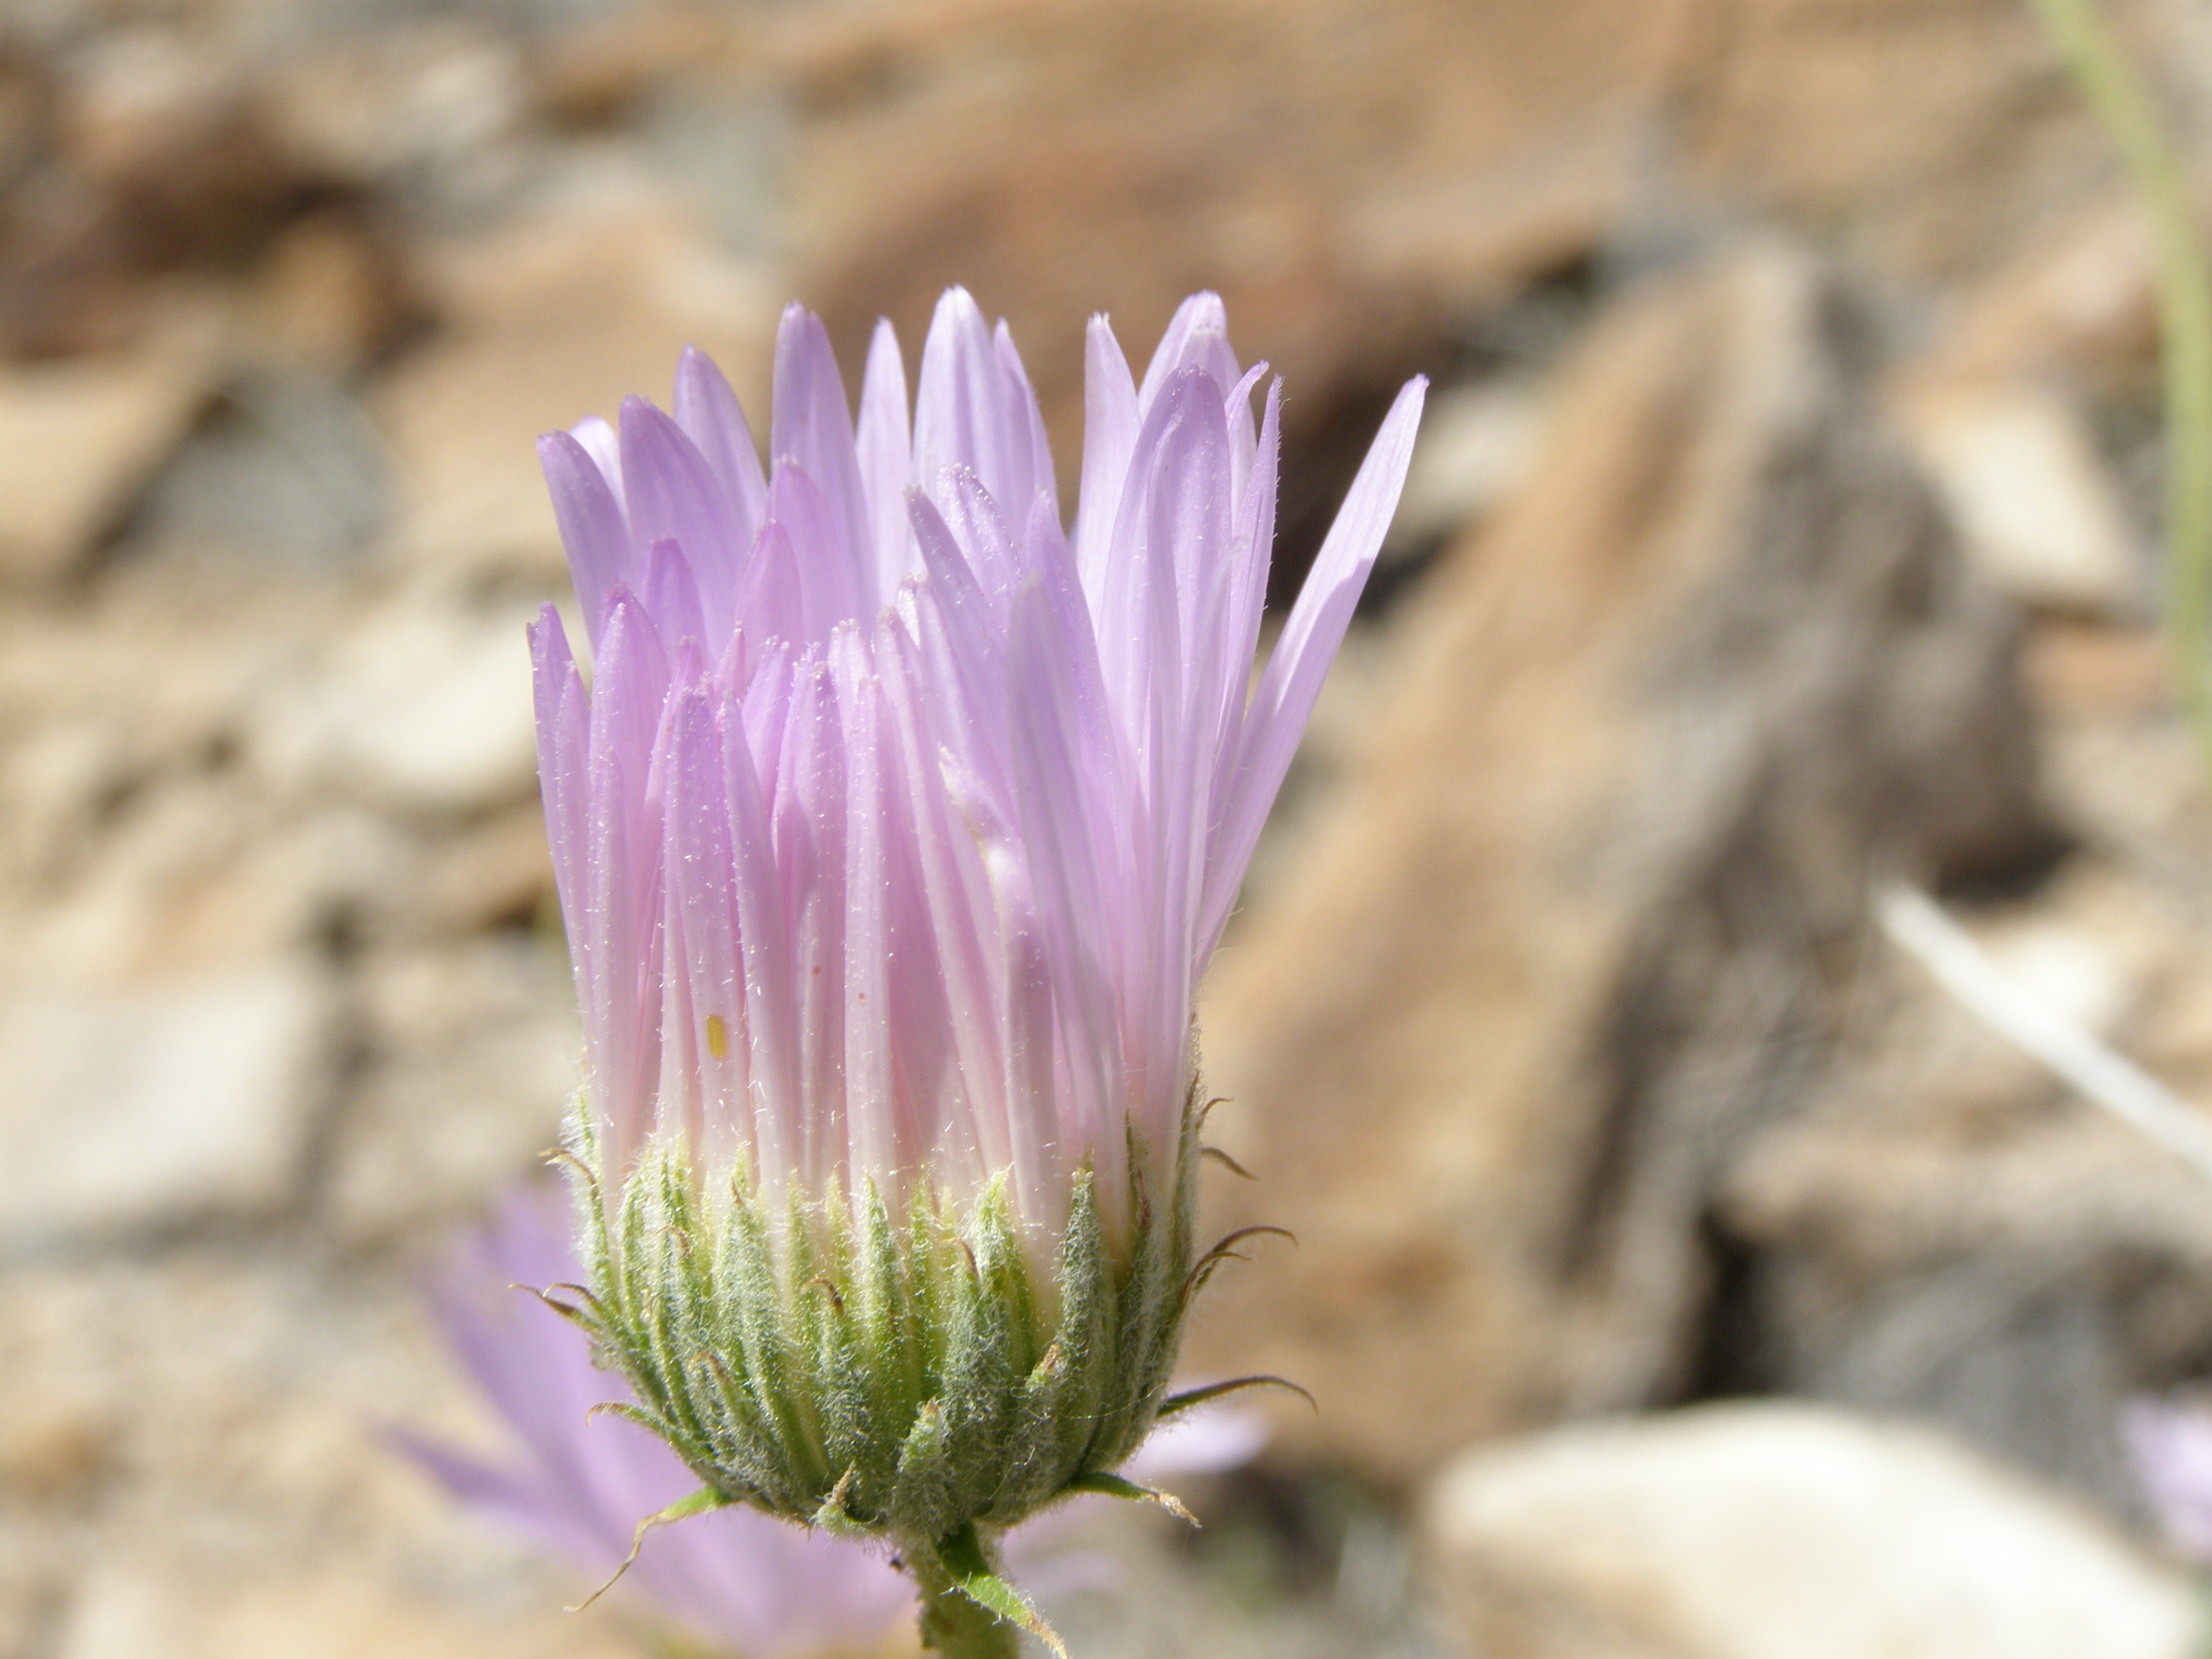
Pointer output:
x,y
718,1036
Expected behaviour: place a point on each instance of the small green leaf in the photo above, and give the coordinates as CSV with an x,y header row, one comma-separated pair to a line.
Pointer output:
x,y
1177,1404
1227,1250
833,1517
683,1509
1227,1163
1114,1486
962,1555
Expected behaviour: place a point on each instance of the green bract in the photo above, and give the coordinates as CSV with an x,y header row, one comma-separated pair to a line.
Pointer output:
x,y
903,1376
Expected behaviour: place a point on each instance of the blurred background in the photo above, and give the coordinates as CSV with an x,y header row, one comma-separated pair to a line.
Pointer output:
x,y
1681,1274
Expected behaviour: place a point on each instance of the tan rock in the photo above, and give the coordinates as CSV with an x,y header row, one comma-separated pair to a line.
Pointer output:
x,y
199,880
598,73
2077,303
142,154
1335,178
1347,176
2130,780
547,323
425,706
2037,508
334,293
76,439
1579,907
422,97
1749,1532
152,1107
2077,668
1938,134
244,1500
1945,1231
500,874
52,1450
477,1050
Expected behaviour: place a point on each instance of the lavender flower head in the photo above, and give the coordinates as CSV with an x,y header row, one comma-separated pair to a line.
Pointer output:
x,y
893,836
2170,1443
577,1481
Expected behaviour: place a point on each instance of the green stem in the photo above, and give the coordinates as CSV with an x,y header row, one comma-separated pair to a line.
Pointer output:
x,y
2129,113
952,1624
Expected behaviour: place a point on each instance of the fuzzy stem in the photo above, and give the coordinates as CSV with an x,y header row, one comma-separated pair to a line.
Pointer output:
x,y
2123,103
952,1625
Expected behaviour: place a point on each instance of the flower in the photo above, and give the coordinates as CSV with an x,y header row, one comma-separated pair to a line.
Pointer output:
x,y
892,838
735,1580
2170,1446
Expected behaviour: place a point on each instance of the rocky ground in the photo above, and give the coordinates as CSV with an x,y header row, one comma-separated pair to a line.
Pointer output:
x,y
1784,523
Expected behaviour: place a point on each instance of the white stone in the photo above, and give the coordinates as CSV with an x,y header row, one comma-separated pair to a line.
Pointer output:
x,y
155,1106
2035,505
346,1612
1476,444
423,708
1784,1532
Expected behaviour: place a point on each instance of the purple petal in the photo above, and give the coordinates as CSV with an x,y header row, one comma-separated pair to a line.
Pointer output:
x,y
1243,443
593,531
622,1027
808,828
605,448
957,905
670,595
968,677
703,948
879,1136
974,409
1203,1442
1072,888
771,597
829,585
886,452
673,494
1031,476
988,541
1245,603
1201,314
1185,538
709,414
563,732
1109,436
1167,525
2170,1446
1291,682
771,1010
812,427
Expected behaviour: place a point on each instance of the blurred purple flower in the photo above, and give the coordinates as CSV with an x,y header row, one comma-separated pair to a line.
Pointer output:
x,y
736,1579
2171,1445
898,826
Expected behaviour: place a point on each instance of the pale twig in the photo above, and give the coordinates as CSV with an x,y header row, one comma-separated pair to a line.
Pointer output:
x,y
2114,1082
